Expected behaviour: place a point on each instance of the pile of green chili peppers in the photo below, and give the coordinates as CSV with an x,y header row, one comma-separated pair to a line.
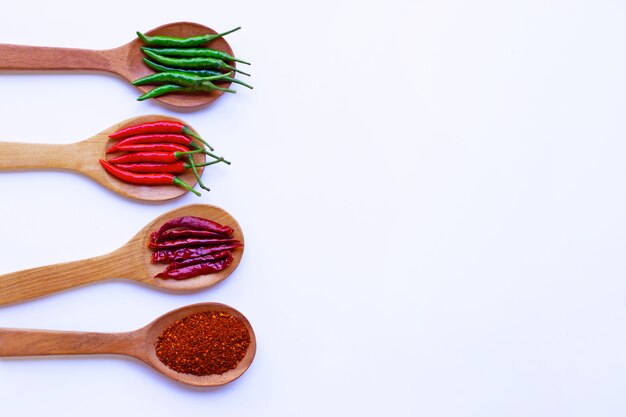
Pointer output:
x,y
184,65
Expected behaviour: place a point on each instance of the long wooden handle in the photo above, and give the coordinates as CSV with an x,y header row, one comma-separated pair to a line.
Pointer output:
x,y
19,156
22,57
22,342
30,283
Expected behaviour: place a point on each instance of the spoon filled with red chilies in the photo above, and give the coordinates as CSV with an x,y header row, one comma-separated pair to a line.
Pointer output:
x,y
189,248
152,158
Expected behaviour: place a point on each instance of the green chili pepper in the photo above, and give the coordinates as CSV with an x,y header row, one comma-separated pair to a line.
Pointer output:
x,y
206,87
195,52
180,78
192,63
169,41
202,73
163,89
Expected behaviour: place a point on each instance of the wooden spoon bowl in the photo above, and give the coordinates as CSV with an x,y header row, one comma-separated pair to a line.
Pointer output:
x,y
154,330
137,68
125,61
132,261
83,157
140,344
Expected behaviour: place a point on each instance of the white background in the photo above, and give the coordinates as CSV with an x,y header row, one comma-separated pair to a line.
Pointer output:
x,y
432,195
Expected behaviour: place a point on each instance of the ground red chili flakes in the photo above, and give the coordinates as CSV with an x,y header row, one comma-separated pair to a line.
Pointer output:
x,y
206,343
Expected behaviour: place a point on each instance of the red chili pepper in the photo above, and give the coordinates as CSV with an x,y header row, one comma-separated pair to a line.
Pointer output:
x,y
153,138
149,147
199,260
171,255
147,167
145,179
173,168
158,157
193,223
174,234
192,271
163,126
190,241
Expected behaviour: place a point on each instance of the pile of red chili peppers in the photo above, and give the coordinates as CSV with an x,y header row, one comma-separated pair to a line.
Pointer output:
x,y
153,152
185,65
192,246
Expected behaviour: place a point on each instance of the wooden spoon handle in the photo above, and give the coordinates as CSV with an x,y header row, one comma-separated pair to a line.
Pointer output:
x,y
18,156
30,283
21,342
22,57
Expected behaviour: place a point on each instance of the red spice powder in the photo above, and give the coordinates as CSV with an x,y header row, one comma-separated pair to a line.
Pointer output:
x,y
206,343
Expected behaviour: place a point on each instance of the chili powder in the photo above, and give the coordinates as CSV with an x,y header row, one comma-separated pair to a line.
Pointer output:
x,y
205,343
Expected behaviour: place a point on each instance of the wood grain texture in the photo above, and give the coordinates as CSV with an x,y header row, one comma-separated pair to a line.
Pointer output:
x,y
124,61
140,344
132,262
23,57
19,342
83,157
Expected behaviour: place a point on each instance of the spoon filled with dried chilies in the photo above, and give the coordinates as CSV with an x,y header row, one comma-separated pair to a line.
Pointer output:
x,y
189,248
152,158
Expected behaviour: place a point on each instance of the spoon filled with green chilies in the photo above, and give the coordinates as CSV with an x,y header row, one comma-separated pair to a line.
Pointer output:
x,y
183,65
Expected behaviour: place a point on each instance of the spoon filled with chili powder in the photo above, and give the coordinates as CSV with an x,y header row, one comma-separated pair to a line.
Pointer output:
x,y
189,248
150,158
204,345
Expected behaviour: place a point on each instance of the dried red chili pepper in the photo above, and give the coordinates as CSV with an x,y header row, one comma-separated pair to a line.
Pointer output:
x,y
190,241
205,343
196,270
174,234
172,255
145,179
194,223
192,246
199,260
163,126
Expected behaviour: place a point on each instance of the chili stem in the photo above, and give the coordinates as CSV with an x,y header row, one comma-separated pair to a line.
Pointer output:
x,y
195,172
183,184
217,161
204,151
228,90
179,154
219,158
228,32
235,69
188,131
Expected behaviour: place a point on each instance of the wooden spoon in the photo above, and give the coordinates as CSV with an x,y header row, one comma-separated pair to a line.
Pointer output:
x,y
132,261
83,157
125,61
139,344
